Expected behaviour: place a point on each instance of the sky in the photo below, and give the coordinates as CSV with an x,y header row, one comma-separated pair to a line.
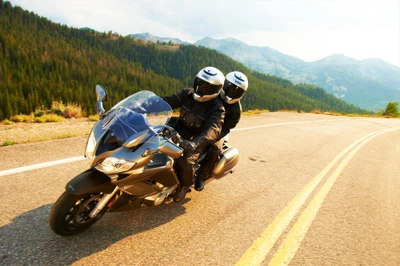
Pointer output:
x,y
308,30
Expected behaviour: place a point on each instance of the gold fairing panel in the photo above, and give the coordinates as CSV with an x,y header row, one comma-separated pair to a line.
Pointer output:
x,y
142,186
170,150
157,167
142,189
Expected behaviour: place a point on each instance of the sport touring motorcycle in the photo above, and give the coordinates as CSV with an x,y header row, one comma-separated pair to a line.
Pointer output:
x,y
132,153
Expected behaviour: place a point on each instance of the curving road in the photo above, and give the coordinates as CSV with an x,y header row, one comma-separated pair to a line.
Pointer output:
x,y
309,190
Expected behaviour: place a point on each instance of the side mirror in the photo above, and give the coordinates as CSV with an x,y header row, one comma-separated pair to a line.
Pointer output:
x,y
101,95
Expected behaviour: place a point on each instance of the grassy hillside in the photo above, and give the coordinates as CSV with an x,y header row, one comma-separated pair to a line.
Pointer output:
x,y
42,62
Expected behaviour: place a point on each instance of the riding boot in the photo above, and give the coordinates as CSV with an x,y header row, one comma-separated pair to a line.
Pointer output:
x,y
199,184
180,193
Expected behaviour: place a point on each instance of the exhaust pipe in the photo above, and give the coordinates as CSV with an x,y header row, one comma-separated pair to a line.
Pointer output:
x,y
157,199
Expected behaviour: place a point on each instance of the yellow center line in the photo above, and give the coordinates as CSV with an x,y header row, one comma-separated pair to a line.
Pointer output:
x,y
256,253
291,243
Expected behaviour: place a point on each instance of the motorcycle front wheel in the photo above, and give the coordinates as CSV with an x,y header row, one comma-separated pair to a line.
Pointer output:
x,y
70,213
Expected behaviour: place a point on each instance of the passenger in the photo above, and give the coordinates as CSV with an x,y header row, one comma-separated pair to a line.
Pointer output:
x,y
235,87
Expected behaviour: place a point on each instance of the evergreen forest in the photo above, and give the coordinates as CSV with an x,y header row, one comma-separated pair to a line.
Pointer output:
x,y
42,62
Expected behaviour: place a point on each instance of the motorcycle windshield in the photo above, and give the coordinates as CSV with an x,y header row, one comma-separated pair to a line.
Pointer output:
x,y
143,110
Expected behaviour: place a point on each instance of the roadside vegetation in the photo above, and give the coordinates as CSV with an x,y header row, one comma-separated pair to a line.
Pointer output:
x,y
392,110
57,113
68,120
58,122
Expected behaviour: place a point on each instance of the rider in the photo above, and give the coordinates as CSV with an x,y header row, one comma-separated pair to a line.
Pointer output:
x,y
200,121
235,87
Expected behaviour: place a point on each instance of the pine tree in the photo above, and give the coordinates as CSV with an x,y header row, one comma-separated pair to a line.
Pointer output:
x,y
392,109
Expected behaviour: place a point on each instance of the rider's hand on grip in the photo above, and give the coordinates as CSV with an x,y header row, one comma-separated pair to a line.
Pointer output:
x,y
188,145
176,138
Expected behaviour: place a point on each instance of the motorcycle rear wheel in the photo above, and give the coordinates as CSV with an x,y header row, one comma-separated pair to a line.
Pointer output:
x,y
70,213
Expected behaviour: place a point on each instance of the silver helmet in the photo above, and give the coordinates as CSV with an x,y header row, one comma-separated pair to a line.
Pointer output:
x,y
208,84
235,87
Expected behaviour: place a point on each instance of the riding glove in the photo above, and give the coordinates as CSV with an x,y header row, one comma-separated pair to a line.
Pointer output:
x,y
188,145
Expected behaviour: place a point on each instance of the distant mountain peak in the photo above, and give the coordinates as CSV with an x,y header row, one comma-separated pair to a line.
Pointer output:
x,y
338,59
146,36
224,40
340,56
233,40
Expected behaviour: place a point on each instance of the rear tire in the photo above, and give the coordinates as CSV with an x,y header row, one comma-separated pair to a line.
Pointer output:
x,y
70,213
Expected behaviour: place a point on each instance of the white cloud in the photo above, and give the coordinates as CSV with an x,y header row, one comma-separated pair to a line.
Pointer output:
x,y
309,30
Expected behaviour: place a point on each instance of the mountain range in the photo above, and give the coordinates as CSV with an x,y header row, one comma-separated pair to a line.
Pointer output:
x,y
369,84
42,63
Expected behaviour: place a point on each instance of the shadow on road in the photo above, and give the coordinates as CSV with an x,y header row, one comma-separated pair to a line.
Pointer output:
x,y
29,240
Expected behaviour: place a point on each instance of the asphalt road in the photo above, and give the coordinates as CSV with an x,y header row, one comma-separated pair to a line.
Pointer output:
x,y
308,190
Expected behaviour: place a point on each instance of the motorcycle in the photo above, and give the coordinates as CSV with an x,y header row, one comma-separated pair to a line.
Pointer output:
x,y
132,154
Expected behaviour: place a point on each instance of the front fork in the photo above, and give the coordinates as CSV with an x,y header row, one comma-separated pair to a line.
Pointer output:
x,y
102,203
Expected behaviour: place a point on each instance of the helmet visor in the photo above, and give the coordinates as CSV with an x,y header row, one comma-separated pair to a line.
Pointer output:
x,y
202,87
233,91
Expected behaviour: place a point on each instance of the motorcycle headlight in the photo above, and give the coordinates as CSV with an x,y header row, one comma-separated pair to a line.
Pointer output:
x,y
113,165
90,147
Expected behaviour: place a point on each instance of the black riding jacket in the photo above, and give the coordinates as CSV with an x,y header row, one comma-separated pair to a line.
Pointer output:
x,y
232,117
200,122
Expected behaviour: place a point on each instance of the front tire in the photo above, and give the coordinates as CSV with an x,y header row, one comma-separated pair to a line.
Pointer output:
x,y
70,213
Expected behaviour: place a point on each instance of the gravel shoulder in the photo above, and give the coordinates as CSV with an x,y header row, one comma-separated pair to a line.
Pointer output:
x,y
19,133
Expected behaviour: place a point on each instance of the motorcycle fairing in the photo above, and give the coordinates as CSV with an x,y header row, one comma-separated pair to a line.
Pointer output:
x,y
130,132
129,124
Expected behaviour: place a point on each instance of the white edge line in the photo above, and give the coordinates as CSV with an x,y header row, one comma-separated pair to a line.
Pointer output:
x,y
288,123
40,165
